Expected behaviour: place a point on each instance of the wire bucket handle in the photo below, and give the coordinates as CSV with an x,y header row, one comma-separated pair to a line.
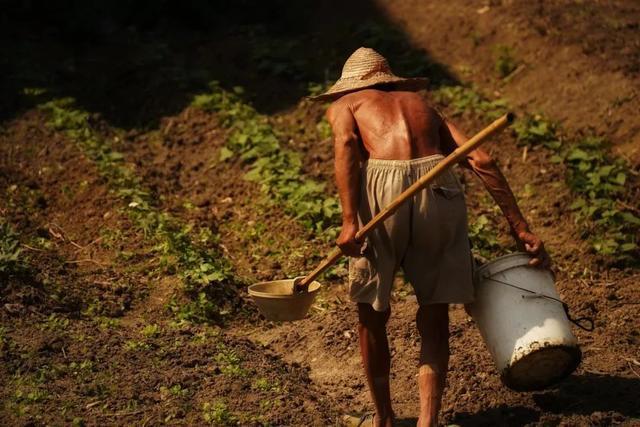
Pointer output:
x,y
585,323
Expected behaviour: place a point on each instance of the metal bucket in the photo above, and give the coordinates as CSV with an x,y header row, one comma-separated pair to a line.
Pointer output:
x,y
276,300
524,324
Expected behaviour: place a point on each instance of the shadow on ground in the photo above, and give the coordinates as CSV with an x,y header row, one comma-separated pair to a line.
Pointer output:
x,y
503,415
589,393
134,62
606,399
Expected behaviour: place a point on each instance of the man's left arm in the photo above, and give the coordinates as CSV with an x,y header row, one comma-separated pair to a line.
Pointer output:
x,y
485,167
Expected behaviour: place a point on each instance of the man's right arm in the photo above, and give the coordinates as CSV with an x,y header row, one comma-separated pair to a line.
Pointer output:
x,y
347,170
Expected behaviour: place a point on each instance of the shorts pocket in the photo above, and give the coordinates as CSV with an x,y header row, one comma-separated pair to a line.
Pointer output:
x,y
449,192
359,271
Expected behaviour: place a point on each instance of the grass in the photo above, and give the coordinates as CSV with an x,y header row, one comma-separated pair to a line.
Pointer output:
x,y
206,276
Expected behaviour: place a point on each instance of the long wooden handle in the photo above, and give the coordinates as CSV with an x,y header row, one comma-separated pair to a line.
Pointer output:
x,y
456,156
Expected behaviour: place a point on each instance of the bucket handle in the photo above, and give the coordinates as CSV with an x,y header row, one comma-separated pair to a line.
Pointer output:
x,y
584,323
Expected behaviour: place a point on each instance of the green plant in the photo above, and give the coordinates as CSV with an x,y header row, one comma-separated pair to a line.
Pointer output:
x,y
55,323
229,362
324,129
483,237
533,130
464,99
505,61
7,345
175,390
263,384
134,345
278,170
11,260
217,413
33,396
600,182
151,331
204,272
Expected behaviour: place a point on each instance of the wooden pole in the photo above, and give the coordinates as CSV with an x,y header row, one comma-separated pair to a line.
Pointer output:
x,y
456,156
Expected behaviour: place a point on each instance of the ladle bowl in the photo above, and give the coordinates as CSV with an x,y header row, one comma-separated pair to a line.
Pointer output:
x,y
276,300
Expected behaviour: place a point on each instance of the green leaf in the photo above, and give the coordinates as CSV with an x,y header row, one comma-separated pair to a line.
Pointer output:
x,y
578,204
620,178
225,154
577,154
630,218
556,159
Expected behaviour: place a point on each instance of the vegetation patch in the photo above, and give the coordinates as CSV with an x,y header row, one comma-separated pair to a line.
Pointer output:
x,y
505,61
218,414
465,99
484,239
12,260
205,274
607,219
277,169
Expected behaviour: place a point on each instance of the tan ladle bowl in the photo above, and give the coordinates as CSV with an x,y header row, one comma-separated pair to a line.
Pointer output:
x,y
290,299
276,300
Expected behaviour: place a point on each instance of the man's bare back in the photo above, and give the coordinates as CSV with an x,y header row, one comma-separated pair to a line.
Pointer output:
x,y
393,125
398,125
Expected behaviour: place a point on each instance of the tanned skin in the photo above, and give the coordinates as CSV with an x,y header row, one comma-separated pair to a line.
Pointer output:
x,y
398,125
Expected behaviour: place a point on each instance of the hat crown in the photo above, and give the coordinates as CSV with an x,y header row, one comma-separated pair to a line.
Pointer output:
x,y
364,69
363,63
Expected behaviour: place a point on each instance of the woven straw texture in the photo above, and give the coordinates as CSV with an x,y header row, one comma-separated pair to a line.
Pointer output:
x,y
366,68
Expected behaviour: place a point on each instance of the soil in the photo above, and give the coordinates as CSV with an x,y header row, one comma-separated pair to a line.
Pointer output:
x,y
87,338
579,61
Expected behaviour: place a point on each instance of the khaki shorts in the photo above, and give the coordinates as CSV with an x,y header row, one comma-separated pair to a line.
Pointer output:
x,y
426,237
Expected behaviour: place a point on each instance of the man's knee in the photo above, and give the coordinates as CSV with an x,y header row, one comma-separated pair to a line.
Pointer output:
x,y
433,320
372,319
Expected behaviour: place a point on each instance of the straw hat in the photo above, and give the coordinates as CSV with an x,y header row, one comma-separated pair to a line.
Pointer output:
x,y
366,68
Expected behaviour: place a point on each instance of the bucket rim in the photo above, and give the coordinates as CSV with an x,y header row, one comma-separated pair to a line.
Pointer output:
x,y
312,289
515,384
503,263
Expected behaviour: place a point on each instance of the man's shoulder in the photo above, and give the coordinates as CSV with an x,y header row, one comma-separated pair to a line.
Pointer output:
x,y
336,107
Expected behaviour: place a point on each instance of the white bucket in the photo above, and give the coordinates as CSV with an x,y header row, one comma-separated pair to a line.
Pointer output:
x,y
527,333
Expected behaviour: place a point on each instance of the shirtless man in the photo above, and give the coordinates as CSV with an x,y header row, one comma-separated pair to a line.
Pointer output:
x,y
385,138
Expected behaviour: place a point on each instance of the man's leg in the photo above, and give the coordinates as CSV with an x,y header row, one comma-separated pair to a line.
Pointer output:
x,y
376,359
433,325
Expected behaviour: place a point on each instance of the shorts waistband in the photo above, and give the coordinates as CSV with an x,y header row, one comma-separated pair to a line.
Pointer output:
x,y
428,161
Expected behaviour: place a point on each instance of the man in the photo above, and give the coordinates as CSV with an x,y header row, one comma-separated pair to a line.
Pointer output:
x,y
385,138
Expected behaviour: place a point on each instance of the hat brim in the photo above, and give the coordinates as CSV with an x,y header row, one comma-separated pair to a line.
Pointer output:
x,y
342,87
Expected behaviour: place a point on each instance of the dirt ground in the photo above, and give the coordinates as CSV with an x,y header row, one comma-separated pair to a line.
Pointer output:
x,y
87,335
